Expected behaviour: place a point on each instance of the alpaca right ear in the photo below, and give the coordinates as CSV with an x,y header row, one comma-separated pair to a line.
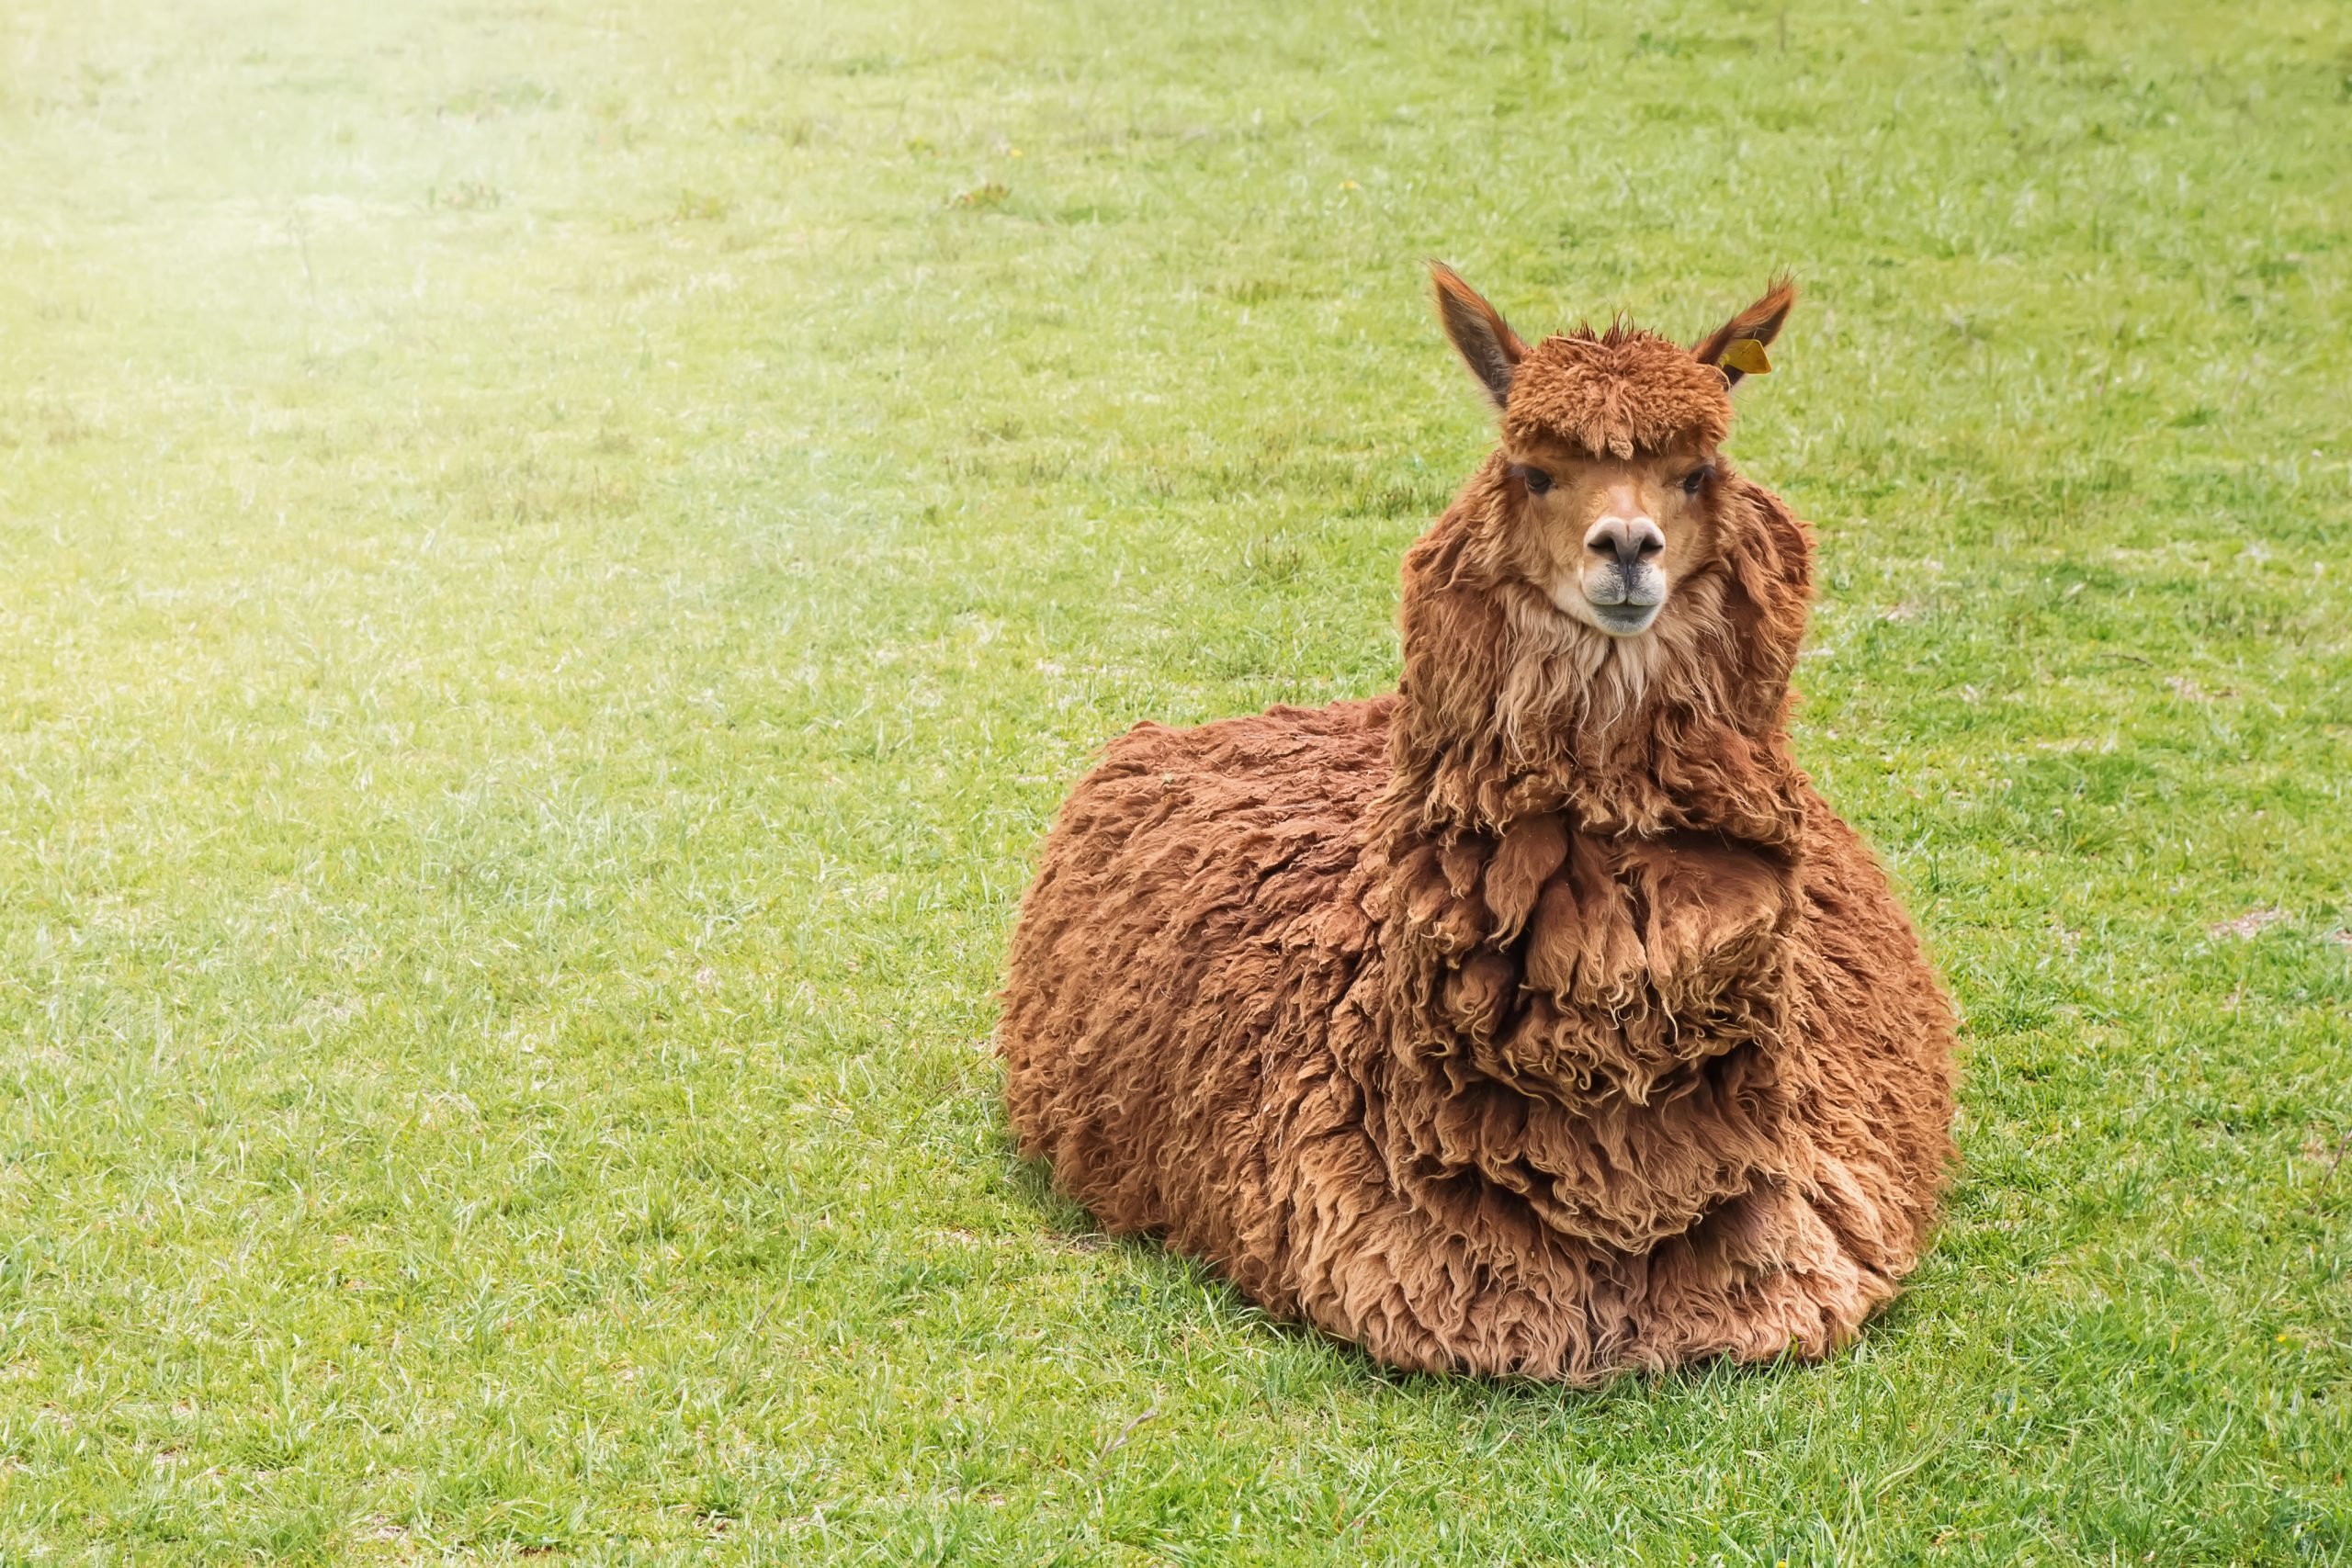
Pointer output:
x,y
1479,334
1737,348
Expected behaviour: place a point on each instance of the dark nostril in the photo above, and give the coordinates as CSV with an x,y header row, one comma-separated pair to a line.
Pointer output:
x,y
1651,545
1602,544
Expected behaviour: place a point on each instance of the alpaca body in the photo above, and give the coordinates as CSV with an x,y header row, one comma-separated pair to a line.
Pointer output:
x,y
1539,1017
1197,1037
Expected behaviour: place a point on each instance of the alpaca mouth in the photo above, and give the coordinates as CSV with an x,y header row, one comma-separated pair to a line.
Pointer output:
x,y
1624,620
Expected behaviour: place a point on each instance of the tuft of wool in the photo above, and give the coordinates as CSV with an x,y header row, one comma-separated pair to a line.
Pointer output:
x,y
1537,1018
1617,392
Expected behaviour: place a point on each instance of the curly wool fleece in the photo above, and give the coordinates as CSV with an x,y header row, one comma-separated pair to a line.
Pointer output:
x,y
1539,1019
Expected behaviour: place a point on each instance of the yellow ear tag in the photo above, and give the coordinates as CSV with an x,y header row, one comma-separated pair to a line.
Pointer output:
x,y
1745,356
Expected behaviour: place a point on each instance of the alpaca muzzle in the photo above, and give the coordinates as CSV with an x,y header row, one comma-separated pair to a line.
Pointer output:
x,y
1621,581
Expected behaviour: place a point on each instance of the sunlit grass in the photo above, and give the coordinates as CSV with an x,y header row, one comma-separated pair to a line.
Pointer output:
x,y
556,559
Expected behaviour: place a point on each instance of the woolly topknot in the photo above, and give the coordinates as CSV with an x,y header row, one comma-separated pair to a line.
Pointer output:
x,y
1616,394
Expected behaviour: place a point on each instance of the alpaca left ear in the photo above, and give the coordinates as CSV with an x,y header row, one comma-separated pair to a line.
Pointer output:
x,y
1479,334
1737,348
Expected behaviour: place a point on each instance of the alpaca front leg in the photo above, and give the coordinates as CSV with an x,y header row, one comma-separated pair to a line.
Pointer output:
x,y
1487,1328
1765,1276
1488,1297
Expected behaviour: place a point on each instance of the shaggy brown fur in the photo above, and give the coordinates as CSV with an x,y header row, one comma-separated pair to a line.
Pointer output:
x,y
1537,1018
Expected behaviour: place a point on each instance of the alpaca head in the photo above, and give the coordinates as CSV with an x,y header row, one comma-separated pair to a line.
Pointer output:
x,y
1609,608
1610,453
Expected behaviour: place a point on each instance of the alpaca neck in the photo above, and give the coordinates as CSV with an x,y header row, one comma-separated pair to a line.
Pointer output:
x,y
1584,875
1619,751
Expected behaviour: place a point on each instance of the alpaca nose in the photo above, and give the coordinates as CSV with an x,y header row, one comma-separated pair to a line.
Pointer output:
x,y
1624,540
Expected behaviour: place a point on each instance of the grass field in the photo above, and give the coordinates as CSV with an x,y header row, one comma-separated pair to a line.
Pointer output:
x,y
556,558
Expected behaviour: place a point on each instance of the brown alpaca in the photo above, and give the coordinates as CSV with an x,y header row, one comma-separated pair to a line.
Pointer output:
x,y
1539,1018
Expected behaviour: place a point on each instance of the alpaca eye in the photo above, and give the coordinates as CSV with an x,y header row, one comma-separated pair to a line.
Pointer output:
x,y
1696,480
1537,481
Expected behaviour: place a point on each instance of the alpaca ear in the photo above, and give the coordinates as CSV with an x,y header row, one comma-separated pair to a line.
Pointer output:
x,y
1479,334
1737,348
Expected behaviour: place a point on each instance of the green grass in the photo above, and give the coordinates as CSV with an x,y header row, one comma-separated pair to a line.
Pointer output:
x,y
556,559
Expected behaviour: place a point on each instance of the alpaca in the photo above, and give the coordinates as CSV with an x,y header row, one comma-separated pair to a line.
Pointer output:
x,y
1537,1018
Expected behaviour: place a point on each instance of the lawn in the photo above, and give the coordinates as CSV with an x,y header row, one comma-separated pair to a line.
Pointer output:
x,y
557,558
